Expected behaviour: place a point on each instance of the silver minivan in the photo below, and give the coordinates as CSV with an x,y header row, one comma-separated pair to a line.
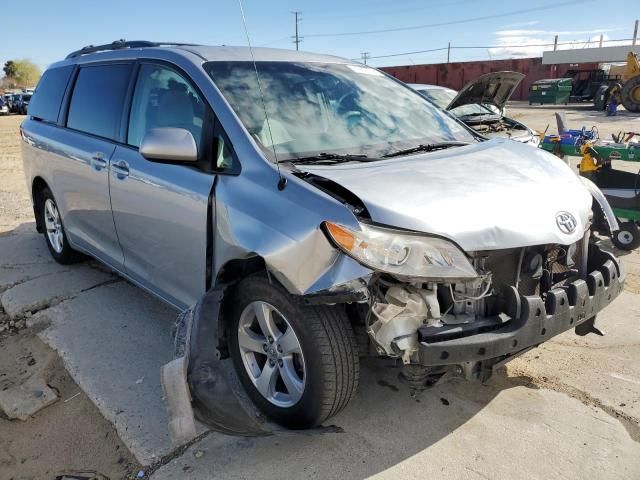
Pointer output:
x,y
303,211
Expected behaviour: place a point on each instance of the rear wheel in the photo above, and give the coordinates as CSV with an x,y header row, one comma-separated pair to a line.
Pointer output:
x,y
54,233
298,363
628,237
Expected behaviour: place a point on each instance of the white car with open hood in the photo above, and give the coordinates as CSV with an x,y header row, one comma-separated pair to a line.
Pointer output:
x,y
481,105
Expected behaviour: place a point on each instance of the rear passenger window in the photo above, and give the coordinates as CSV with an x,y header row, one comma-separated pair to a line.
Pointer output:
x,y
97,99
163,98
46,101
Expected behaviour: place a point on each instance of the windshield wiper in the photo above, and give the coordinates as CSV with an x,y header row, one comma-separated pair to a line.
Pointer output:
x,y
324,157
478,114
428,147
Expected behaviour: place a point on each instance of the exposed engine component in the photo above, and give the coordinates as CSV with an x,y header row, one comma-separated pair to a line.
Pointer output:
x,y
501,128
399,310
397,318
404,308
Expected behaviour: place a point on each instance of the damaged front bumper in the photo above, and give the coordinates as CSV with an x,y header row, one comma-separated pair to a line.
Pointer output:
x,y
478,346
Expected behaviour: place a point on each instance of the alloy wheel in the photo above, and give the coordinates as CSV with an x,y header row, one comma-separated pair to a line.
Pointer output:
x,y
271,354
53,225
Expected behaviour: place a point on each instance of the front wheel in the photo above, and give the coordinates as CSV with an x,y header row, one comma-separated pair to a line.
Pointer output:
x,y
628,237
298,363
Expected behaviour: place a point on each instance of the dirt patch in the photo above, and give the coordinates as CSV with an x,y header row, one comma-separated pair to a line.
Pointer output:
x,y
69,436
526,378
15,204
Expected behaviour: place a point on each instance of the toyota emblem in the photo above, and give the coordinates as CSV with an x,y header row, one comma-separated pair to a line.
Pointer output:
x,y
566,222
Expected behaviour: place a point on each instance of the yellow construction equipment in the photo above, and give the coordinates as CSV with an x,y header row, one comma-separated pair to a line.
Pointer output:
x,y
630,94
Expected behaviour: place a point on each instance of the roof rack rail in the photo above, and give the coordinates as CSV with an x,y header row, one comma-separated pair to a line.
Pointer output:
x,y
122,43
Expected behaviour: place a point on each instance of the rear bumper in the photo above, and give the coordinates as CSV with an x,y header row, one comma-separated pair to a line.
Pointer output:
x,y
534,320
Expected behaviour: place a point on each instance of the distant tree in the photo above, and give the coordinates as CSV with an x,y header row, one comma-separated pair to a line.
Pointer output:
x,y
21,73
9,68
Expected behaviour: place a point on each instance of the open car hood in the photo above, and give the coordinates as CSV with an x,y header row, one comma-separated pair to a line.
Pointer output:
x,y
493,88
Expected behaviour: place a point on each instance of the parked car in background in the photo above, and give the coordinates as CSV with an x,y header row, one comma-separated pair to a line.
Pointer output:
x,y
15,102
481,105
4,107
10,98
333,213
23,103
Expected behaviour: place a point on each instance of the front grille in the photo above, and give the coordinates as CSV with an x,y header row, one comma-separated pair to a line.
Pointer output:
x,y
555,269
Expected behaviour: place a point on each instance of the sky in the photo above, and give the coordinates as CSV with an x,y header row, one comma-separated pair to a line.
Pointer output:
x,y
48,30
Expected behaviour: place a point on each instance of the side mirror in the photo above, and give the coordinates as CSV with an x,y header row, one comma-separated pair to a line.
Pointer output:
x,y
169,144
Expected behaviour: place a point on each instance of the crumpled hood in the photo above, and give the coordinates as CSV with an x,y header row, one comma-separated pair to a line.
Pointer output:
x,y
493,88
492,195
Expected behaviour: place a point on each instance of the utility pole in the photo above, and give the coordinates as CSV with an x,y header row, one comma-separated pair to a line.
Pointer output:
x,y
448,52
555,43
365,56
635,33
296,37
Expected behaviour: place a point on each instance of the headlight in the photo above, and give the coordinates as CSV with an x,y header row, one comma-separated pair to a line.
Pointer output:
x,y
400,253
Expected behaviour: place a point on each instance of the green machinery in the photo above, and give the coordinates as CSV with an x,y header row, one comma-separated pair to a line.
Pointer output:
x,y
621,188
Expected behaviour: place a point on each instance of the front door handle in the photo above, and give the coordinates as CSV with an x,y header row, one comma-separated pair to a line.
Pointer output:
x,y
98,161
121,169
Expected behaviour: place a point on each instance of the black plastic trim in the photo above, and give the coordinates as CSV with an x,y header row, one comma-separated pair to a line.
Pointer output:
x,y
539,319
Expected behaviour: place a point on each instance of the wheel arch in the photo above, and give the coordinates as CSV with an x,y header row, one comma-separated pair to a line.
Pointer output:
x,y
37,186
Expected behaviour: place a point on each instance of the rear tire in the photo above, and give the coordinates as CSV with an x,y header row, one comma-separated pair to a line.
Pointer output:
x,y
630,94
309,386
628,237
53,230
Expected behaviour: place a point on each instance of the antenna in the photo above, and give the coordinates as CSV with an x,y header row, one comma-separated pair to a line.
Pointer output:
x,y
283,181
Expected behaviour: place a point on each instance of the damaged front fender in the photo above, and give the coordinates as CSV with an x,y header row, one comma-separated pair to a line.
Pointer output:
x,y
217,396
601,200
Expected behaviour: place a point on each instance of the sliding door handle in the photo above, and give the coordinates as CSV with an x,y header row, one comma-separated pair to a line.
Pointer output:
x,y
120,168
98,161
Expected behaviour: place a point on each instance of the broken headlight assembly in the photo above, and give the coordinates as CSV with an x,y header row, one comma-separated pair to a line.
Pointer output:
x,y
402,254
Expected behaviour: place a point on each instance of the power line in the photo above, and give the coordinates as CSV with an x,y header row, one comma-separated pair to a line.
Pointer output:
x,y
408,53
453,22
278,40
471,47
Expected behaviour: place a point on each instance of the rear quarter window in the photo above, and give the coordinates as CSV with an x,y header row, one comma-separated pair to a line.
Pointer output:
x,y
46,101
97,99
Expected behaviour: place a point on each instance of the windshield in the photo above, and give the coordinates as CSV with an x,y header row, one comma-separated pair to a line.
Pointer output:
x,y
442,97
315,107
26,98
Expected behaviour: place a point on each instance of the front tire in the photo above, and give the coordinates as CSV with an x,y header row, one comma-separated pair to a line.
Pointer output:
x,y
298,363
53,230
628,237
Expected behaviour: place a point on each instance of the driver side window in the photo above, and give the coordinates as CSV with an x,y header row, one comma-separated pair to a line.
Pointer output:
x,y
164,98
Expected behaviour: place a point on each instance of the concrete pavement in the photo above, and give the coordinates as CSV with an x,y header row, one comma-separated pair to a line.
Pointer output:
x,y
113,339
503,430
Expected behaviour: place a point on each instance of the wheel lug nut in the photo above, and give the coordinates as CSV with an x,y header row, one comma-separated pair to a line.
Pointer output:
x,y
270,339
280,362
265,347
271,363
280,348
